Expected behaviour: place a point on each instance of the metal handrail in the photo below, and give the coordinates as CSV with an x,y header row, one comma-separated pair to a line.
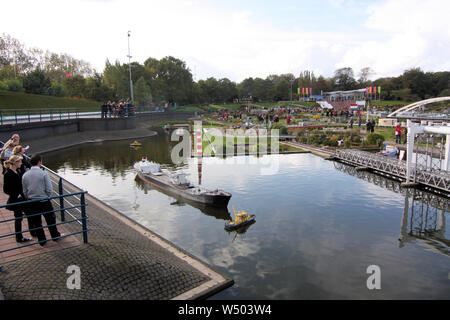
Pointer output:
x,y
15,116
61,195
83,218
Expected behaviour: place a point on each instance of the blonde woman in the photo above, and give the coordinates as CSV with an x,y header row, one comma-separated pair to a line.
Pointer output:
x,y
7,149
16,139
6,152
12,186
20,151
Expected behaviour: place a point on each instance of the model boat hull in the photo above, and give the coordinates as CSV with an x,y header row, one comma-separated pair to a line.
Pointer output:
x,y
213,198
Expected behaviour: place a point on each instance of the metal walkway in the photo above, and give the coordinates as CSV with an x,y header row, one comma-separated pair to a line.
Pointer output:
x,y
437,179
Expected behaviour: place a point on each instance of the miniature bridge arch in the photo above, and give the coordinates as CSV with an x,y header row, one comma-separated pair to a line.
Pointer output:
x,y
415,105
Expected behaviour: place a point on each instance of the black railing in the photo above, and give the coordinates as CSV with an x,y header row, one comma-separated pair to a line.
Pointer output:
x,y
15,116
81,220
61,198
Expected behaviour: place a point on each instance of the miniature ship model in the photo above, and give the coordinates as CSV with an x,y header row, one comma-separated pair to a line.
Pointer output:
x,y
177,184
241,219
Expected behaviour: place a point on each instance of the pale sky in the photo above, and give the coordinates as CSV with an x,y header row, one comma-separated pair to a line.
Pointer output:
x,y
240,39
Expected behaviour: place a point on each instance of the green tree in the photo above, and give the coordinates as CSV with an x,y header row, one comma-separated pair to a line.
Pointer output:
x,y
173,79
281,90
96,89
416,80
142,92
75,86
36,82
246,88
344,79
116,77
364,75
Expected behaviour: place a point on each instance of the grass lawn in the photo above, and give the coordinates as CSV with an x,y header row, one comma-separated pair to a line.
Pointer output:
x,y
20,100
387,132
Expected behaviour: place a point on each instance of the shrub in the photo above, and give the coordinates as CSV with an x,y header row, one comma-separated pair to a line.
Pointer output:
x,y
283,129
57,90
331,142
364,143
347,143
303,139
3,86
14,85
356,139
375,138
36,82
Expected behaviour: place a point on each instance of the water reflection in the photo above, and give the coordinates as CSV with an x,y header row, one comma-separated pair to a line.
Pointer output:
x,y
423,216
318,228
424,219
217,212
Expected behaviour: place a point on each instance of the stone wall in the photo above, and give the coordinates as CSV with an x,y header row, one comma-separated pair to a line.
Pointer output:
x,y
36,130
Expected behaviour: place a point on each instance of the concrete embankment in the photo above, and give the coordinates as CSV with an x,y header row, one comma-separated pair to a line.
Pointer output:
x,y
80,130
62,141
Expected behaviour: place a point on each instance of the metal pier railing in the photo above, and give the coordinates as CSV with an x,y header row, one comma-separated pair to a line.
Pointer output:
x,y
438,179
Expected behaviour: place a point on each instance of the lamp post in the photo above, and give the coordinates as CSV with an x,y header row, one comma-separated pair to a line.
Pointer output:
x,y
129,68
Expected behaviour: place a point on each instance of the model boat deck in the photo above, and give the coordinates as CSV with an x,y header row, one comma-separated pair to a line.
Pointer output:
x,y
177,184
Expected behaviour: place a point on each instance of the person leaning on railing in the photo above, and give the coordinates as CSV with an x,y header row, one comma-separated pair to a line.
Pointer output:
x,y
20,151
37,185
6,152
12,186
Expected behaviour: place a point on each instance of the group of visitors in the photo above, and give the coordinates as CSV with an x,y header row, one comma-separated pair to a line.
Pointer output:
x,y
115,109
25,180
370,126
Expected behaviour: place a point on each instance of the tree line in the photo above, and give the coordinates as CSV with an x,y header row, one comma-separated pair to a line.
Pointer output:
x,y
169,79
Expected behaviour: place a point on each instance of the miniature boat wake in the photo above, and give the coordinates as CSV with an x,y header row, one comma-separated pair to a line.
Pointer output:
x,y
241,219
177,184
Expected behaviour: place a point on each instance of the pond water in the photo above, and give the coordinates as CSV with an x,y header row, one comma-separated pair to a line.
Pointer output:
x,y
319,225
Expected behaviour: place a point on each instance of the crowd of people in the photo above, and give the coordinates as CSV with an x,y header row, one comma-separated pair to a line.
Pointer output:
x,y
117,109
24,180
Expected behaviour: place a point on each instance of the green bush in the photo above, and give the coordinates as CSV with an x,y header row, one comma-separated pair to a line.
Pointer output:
x,y
331,142
14,85
375,138
364,143
356,139
57,90
36,82
317,139
347,143
283,129
3,86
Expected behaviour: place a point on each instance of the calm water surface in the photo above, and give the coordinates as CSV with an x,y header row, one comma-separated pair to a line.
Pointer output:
x,y
318,227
